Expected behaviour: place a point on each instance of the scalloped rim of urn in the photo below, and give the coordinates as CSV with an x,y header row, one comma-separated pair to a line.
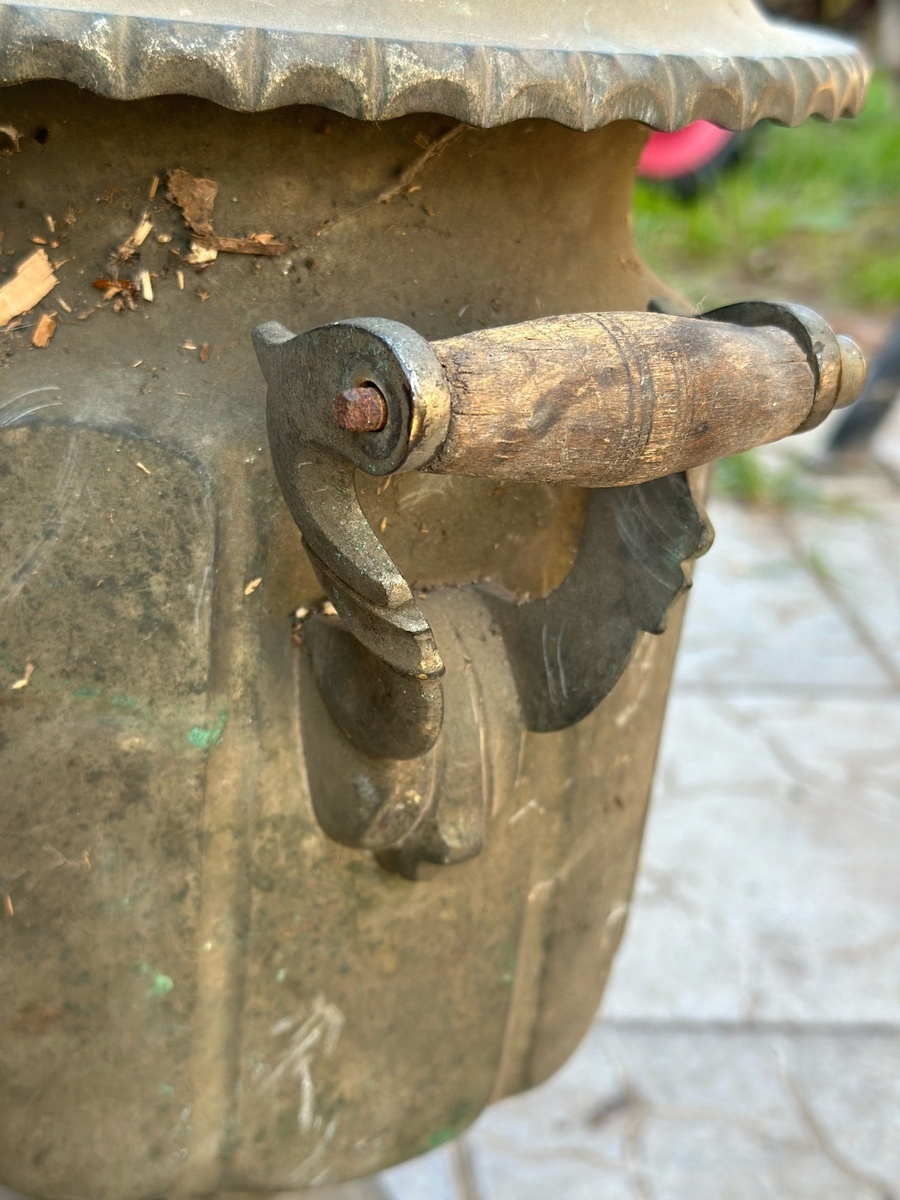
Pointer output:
x,y
129,57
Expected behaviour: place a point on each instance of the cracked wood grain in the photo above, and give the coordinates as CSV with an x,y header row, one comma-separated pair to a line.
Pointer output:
x,y
608,399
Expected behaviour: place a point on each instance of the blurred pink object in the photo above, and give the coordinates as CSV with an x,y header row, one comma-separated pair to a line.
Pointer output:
x,y
671,155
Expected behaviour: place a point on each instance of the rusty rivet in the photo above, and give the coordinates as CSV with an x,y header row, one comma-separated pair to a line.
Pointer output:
x,y
360,410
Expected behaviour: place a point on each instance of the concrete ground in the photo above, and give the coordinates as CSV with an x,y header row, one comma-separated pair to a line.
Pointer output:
x,y
748,1046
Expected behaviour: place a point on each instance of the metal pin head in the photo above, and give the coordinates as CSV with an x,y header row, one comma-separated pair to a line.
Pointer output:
x,y
360,409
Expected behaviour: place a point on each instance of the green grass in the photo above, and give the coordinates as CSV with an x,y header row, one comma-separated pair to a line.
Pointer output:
x,y
785,486
809,213
746,478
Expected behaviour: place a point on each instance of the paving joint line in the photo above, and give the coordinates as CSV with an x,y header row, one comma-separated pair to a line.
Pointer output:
x,y
793,691
722,1025
827,586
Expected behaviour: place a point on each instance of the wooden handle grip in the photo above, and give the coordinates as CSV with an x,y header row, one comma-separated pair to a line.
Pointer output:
x,y
598,400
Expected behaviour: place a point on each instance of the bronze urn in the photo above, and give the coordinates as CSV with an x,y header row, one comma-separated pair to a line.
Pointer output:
x,y
332,689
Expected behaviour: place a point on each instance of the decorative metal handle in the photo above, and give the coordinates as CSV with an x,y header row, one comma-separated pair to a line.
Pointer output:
x,y
623,403
591,400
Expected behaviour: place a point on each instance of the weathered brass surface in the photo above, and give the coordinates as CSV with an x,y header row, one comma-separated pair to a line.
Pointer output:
x,y
583,63
201,991
182,927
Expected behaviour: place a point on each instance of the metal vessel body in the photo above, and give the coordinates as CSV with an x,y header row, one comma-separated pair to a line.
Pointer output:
x,y
160,977
203,992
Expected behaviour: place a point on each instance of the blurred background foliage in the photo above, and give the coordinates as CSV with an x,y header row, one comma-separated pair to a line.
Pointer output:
x,y
809,214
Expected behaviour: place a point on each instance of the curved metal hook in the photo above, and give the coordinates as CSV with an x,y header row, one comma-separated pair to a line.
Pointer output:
x,y
315,461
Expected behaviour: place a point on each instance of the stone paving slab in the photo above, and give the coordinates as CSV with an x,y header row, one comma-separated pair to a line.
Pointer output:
x,y
759,619
886,446
691,1113
857,557
770,878
694,1113
431,1177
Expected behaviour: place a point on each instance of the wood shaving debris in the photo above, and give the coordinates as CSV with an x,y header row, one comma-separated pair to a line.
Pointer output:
x,y
33,280
145,285
252,586
154,186
164,238
111,287
205,351
247,245
138,363
10,132
26,677
39,241
51,224
195,197
44,331
137,238
189,345
140,234
179,275
382,525
8,906
62,304
141,467
201,253
328,609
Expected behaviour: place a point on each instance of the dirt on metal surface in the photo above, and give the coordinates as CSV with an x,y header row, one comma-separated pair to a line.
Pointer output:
x,y
209,994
